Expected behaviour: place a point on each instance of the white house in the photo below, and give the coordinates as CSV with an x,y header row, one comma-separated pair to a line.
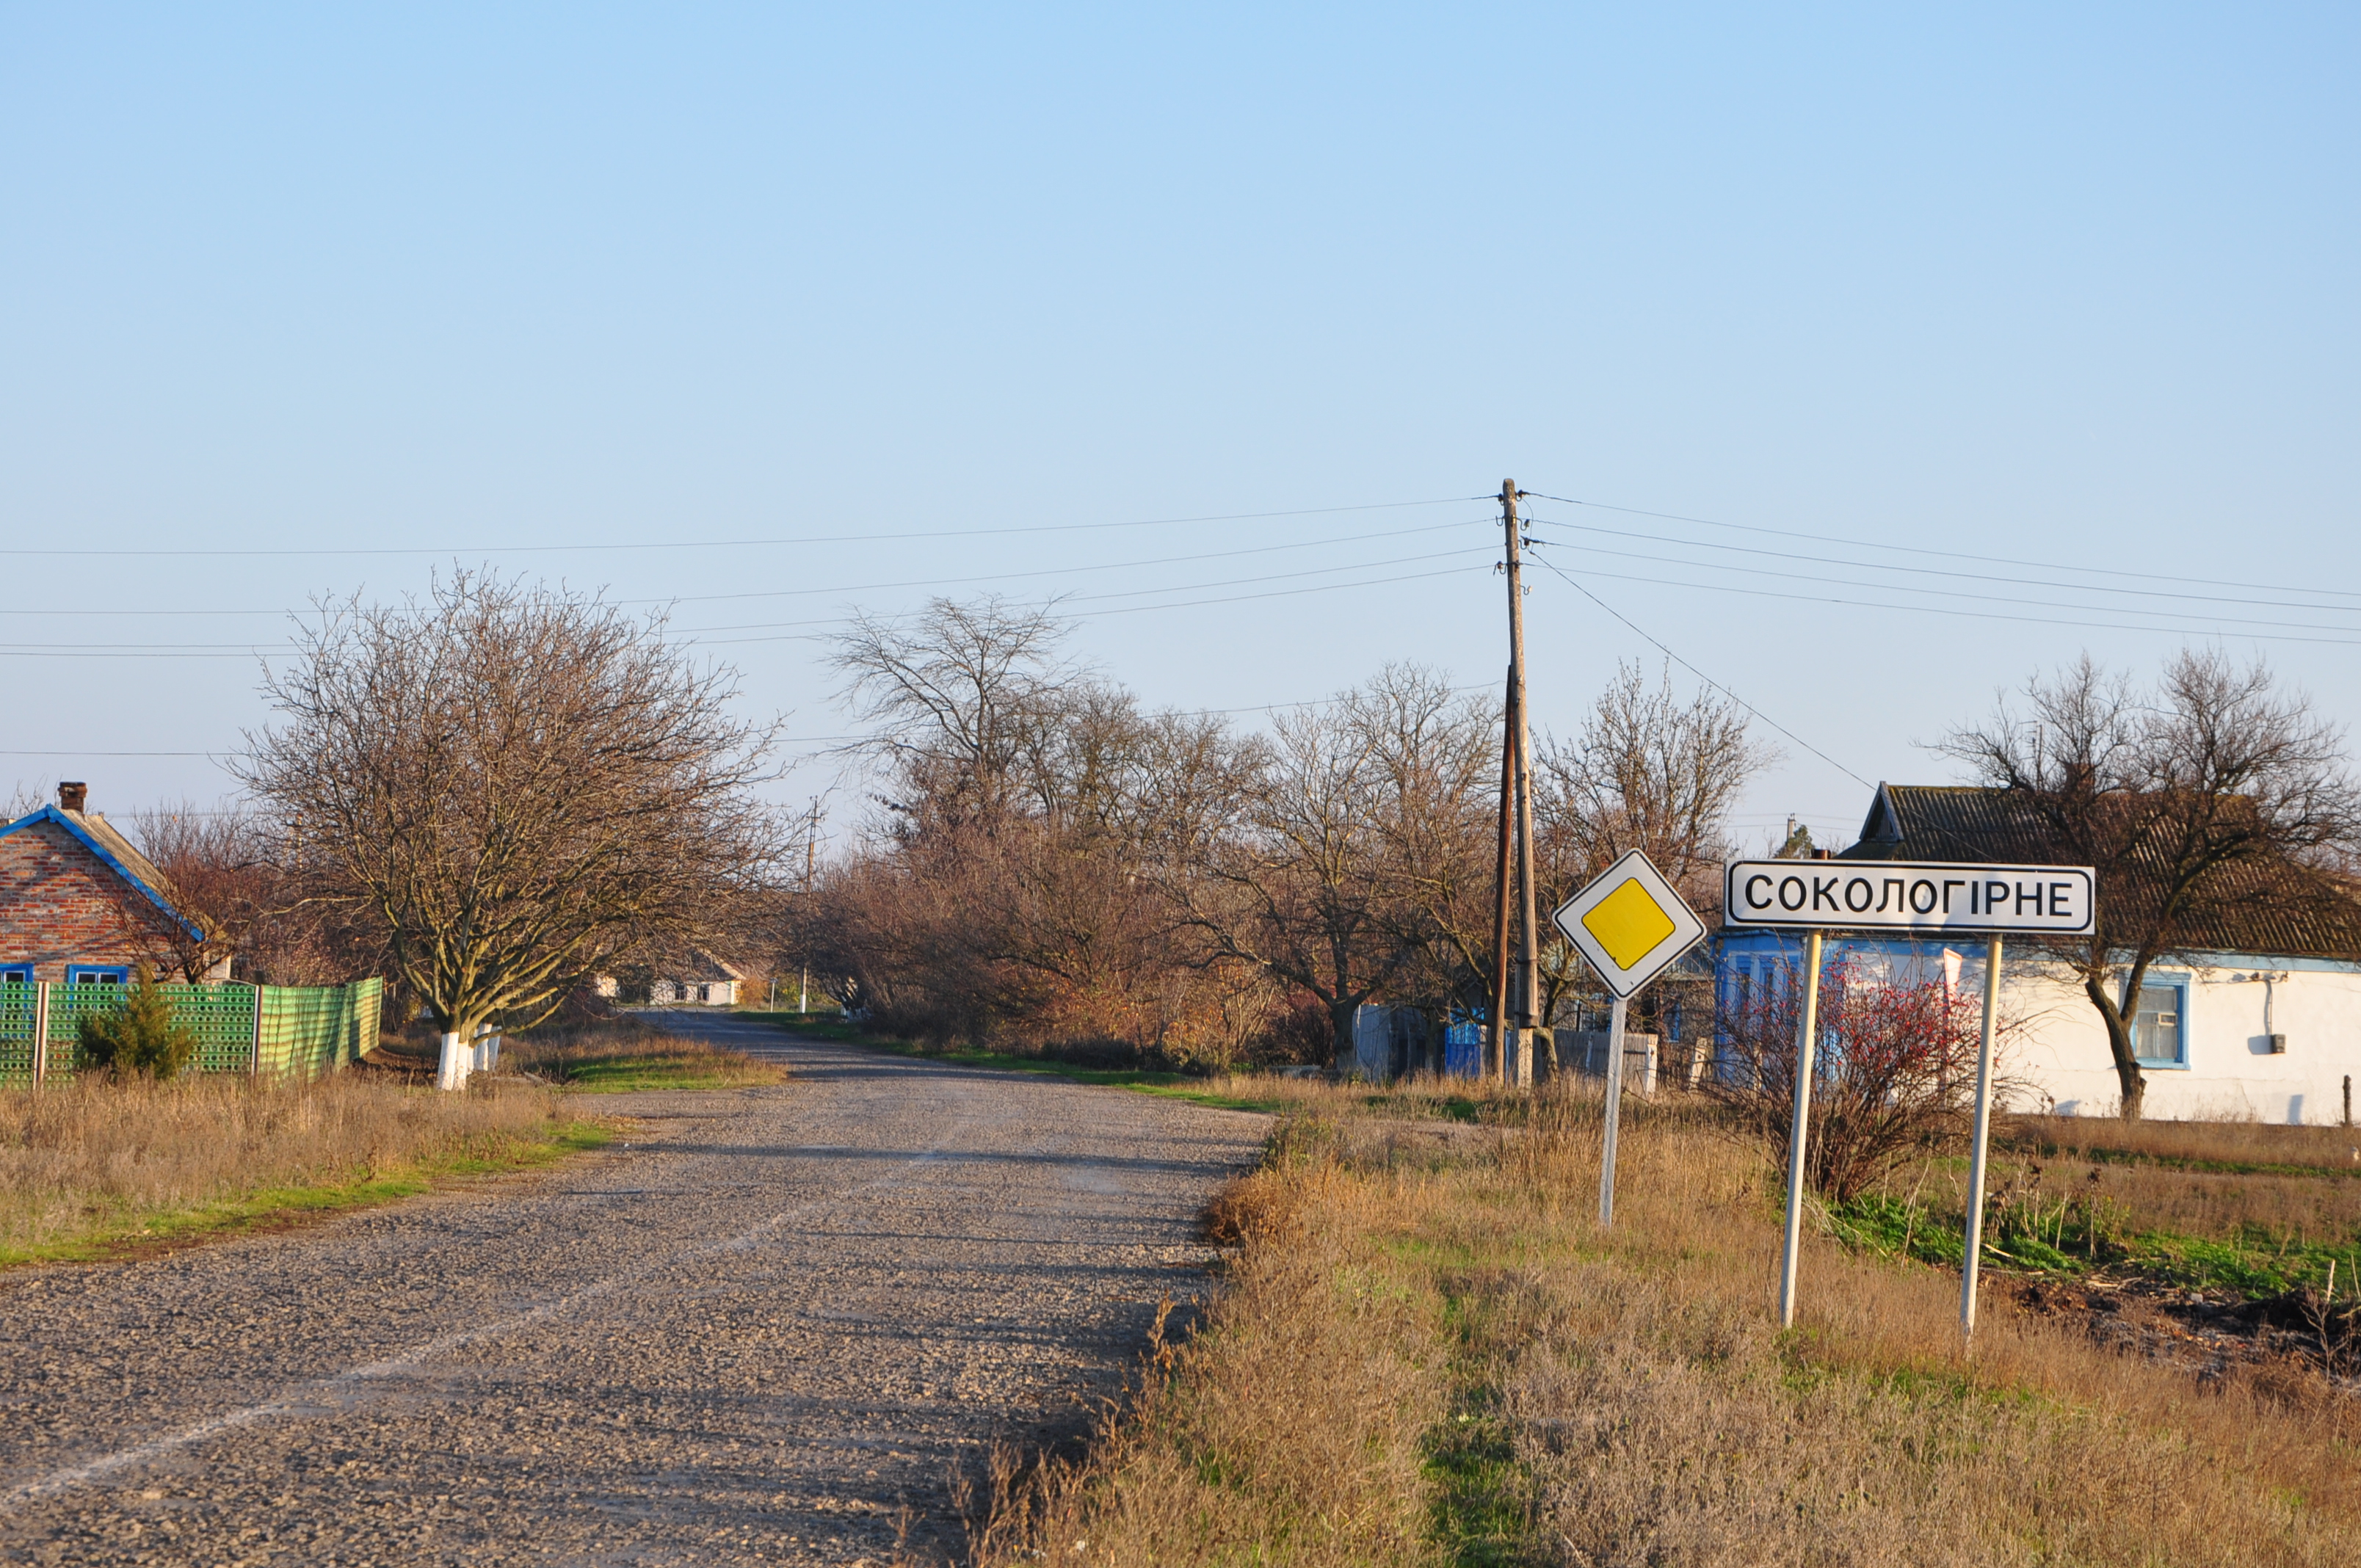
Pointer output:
x,y
700,979
2259,1020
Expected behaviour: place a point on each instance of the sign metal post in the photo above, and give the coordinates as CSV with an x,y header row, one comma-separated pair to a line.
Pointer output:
x,y
1922,898
1807,1030
1614,1111
1973,1255
1631,925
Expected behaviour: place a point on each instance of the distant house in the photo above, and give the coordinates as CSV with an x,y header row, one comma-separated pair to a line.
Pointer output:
x,y
700,978
2259,1019
80,907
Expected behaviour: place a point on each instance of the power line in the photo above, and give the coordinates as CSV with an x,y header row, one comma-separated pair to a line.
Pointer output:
x,y
1958,592
691,632
1708,680
1968,614
1942,571
719,544
1945,555
870,587
699,635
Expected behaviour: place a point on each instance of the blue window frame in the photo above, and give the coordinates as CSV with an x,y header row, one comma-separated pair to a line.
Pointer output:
x,y
16,974
97,975
2160,1022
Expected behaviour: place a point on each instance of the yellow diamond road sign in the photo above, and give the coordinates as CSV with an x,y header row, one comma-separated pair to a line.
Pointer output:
x,y
1630,924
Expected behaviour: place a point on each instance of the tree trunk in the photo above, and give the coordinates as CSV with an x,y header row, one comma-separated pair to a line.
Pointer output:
x,y
2128,1077
457,1059
1341,1048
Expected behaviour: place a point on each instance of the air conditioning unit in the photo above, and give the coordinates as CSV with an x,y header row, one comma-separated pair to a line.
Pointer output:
x,y
2278,1045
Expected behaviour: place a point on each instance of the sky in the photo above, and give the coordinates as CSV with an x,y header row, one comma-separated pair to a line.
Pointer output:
x,y
1870,358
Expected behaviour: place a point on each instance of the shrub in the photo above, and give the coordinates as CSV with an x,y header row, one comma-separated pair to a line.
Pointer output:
x,y
1894,1072
140,1039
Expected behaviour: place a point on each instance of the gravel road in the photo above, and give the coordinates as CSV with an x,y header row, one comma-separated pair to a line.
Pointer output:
x,y
766,1331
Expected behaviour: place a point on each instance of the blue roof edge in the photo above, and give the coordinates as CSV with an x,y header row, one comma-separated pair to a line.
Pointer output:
x,y
106,858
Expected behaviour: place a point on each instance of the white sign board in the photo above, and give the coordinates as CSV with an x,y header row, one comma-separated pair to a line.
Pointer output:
x,y
1910,895
1630,924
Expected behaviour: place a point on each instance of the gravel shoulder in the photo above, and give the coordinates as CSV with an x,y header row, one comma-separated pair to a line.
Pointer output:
x,y
767,1328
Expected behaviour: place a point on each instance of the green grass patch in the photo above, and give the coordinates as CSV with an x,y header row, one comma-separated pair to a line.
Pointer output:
x,y
271,1207
658,1069
2258,1265
1146,1080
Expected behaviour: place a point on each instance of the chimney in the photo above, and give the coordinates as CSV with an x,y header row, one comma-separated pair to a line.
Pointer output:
x,y
71,795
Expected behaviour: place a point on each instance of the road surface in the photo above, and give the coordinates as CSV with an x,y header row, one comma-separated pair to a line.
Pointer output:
x,y
768,1330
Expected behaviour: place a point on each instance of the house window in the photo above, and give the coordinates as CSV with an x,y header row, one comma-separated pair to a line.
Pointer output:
x,y
16,974
97,975
2157,1037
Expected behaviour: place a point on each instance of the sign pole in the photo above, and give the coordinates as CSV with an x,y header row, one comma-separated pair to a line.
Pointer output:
x,y
1973,1255
1808,1026
1614,1111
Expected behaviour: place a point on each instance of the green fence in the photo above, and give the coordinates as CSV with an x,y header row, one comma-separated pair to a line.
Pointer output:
x,y
239,1028
19,1006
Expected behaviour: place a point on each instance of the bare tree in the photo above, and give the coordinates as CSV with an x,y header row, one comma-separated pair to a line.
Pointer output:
x,y
513,788
2201,805
1336,855
1645,771
220,876
958,694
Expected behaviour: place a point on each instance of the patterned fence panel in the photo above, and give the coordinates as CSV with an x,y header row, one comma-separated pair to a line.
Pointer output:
x,y
18,1007
300,1029
222,1018
315,1029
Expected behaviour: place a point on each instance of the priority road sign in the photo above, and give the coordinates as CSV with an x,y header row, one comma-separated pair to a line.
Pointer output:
x,y
1630,924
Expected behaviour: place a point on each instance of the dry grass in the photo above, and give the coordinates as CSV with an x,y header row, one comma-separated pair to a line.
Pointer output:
x,y
2227,1146
1430,1351
92,1159
607,1055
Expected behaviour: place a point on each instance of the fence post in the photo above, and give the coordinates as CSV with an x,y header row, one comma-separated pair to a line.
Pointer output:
x,y
40,1031
254,1069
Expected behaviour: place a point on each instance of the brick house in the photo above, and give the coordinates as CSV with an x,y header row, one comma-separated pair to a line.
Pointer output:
x,y
80,905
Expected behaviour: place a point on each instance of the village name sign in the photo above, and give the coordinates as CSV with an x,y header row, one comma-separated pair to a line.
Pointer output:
x,y
1910,895
1924,898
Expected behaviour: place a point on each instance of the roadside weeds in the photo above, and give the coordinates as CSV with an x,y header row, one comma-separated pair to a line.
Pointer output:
x,y
94,1168
1427,1351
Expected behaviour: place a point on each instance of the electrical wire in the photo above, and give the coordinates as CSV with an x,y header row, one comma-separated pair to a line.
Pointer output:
x,y
872,588
1945,555
1856,565
1956,593
1967,614
714,543
1700,674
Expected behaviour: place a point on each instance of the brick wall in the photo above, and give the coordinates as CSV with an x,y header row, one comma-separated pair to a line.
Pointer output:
x,y
61,904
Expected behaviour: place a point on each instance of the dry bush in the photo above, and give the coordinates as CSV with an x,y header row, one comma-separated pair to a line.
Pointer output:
x,y
1647,1409
91,1155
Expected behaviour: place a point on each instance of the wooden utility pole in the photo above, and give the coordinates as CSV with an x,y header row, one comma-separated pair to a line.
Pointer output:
x,y
1521,1009
1493,1021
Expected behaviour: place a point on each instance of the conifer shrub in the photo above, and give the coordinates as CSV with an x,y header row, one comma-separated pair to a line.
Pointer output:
x,y
142,1038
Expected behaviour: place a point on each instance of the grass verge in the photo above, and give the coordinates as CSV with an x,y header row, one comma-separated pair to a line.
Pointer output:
x,y
94,1168
1233,1092
1427,1351
614,1055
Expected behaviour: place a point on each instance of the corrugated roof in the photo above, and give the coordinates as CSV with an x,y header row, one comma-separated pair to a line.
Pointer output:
x,y
2273,906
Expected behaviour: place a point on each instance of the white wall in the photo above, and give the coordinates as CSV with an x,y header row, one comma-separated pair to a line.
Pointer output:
x,y
2061,1051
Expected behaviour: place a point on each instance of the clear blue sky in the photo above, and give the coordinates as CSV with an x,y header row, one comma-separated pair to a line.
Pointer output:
x,y
2031,286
